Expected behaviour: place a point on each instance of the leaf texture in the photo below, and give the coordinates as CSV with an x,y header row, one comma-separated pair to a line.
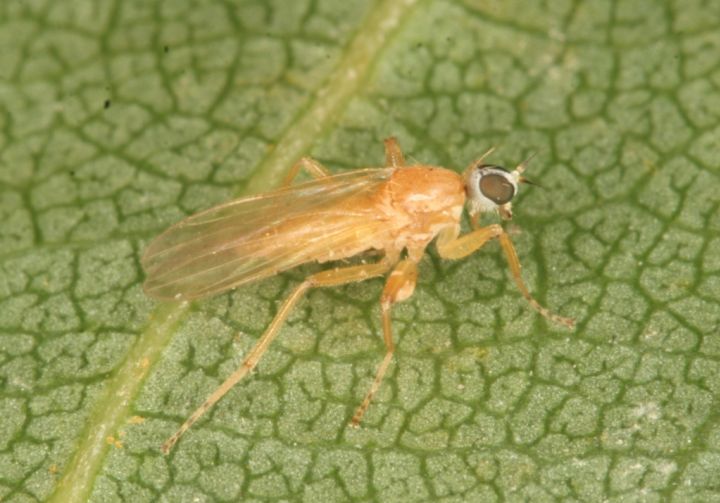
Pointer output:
x,y
118,119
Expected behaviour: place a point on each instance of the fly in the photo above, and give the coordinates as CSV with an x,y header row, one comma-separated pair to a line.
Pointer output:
x,y
396,210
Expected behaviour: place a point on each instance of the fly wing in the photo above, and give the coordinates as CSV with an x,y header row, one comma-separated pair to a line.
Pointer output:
x,y
255,237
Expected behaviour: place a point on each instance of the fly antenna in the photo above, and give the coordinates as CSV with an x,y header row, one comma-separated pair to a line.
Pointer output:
x,y
478,162
522,179
523,165
486,154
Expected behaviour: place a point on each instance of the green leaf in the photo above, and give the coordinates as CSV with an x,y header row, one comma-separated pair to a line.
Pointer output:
x,y
119,118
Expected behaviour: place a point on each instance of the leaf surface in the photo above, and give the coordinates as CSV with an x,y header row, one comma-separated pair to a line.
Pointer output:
x,y
117,119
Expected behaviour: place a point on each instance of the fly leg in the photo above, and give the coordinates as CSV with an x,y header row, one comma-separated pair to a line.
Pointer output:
x,y
451,246
331,277
314,168
394,157
399,286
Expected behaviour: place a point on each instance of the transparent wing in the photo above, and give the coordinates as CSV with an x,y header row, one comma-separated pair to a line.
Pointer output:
x,y
255,237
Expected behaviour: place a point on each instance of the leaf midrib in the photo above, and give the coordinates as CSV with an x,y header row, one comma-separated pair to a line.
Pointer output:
x,y
112,408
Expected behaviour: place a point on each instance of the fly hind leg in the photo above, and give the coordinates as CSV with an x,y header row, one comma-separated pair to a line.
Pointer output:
x,y
331,277
399,286
394,158
314,168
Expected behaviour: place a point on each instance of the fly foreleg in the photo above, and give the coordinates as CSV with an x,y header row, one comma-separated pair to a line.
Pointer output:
x,y
451,246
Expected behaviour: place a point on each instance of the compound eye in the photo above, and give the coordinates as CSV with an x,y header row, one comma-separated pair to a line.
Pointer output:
x,y
497,188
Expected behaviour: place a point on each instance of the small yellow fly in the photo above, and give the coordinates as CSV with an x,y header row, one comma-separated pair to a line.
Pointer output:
x,y
397,210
